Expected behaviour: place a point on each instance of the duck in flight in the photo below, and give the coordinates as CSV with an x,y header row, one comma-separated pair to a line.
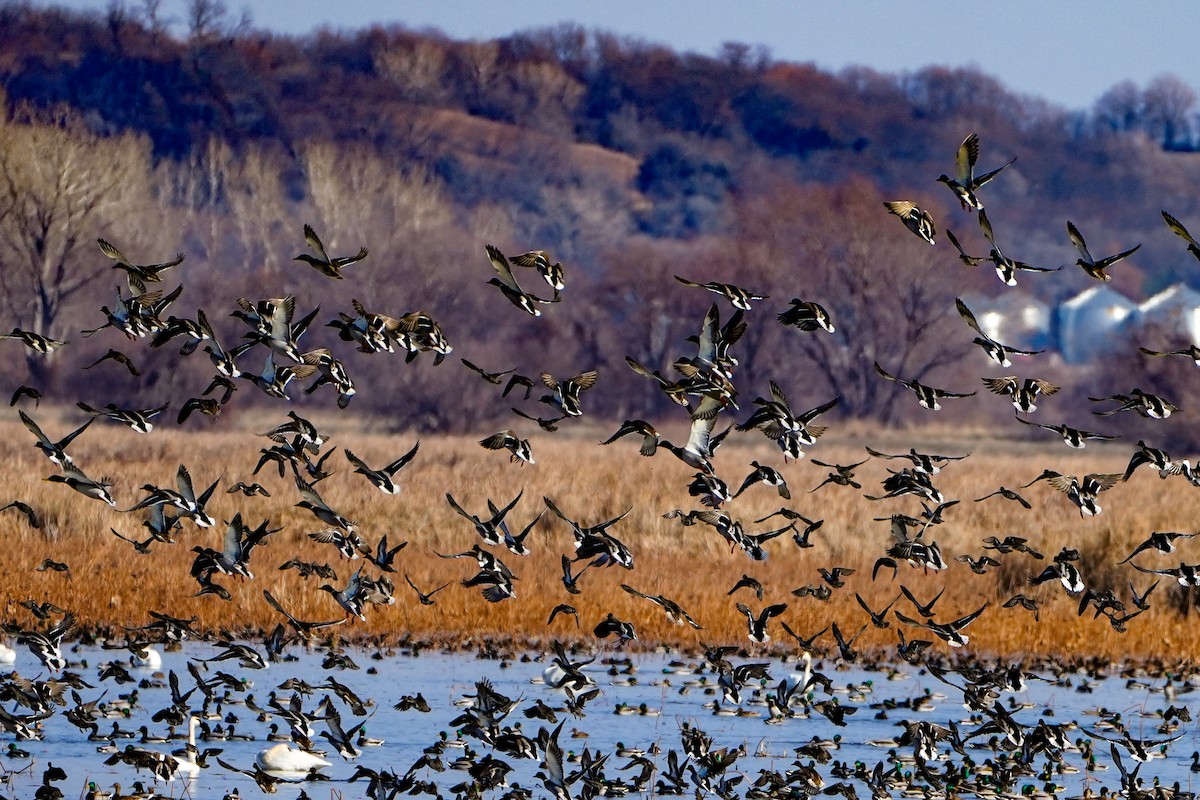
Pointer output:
x,y
509,287
964,184
1177,228
740,298
322,261
918,221
995,350
927,396
1096,268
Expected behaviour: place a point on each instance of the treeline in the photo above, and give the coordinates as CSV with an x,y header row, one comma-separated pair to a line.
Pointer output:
x,y
626,160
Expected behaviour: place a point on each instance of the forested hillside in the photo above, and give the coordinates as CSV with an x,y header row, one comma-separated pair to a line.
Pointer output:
x,y
628,162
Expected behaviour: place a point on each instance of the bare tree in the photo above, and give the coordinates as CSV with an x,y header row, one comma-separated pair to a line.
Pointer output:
x,y
59,184
1169,104
1120,108
890,300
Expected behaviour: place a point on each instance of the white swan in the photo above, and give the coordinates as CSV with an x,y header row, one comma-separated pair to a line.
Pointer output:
x,y
285,758
147,658
798,681
186,764
554,676
7,654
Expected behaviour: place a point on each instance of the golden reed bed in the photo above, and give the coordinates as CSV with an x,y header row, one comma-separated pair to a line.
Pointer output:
x,y
110,585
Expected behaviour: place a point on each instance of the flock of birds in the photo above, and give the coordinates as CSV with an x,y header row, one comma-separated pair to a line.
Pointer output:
x,y
702,386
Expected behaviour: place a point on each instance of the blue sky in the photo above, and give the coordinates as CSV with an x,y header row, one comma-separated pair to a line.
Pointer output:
x,y
1066,51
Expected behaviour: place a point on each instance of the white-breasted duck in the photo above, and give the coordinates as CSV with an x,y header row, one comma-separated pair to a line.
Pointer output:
x,y
1191,351
566,392
929,463
1072,437
383,478
47,647
150,273
553,274
916,220
763,473
1162,541
806,315
488,529
74,477
1144,403
927,396
995,350
322,262
1006,268
518,448
1024,393
756,625
1092,266
1152,456
35,341
136,419
512,290
737,296
55,451
964,184
1080,491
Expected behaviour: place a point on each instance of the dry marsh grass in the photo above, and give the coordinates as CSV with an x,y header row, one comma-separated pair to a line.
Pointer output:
x,y
109,585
